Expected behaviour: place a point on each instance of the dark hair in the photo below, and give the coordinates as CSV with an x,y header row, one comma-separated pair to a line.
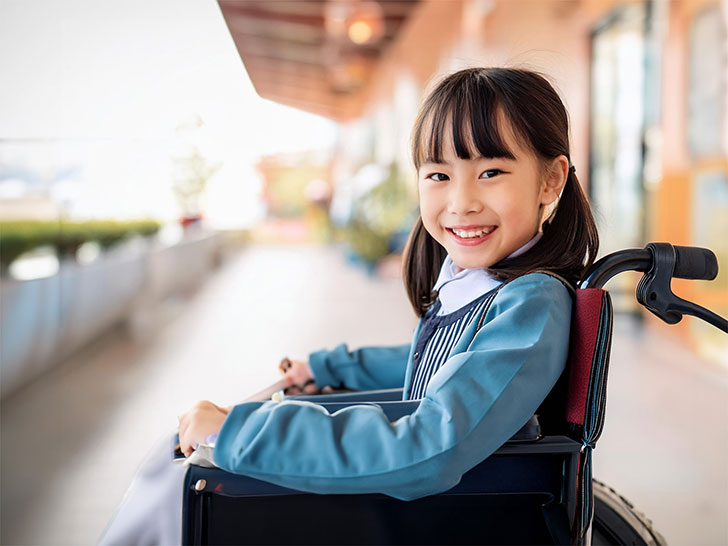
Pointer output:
x,y
470,103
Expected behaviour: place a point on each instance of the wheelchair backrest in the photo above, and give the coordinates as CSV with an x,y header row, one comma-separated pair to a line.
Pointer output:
x,y
588,363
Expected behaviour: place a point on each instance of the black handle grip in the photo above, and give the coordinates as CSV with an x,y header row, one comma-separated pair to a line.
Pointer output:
x,y
692,262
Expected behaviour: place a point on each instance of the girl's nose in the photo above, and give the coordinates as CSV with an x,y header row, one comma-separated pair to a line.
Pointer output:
x,y
463,198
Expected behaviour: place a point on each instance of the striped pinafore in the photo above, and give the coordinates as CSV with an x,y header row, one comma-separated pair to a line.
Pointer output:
x,y
438,335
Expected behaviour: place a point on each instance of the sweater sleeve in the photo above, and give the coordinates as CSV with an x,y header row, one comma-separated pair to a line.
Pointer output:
x,y
472,405
368,368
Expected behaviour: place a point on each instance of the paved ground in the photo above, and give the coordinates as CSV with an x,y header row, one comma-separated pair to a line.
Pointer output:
x,y
72,440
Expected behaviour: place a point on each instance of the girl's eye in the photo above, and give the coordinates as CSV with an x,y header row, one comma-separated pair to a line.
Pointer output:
x,y
437,177
490,173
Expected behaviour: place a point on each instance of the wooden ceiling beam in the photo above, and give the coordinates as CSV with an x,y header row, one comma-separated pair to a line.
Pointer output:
x,y
301,7
252,10
258,65
255,34
314,14
311,55
318,85
315,7
282,30
306,55
238,23
295,93
325,109
283,62
274,40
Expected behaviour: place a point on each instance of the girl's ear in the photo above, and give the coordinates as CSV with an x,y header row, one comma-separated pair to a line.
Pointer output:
x,y
557,171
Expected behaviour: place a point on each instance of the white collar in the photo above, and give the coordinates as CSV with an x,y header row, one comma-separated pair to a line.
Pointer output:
x,y
457,287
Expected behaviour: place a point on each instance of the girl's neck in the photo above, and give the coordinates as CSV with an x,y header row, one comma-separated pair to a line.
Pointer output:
x,y
457,287
457,269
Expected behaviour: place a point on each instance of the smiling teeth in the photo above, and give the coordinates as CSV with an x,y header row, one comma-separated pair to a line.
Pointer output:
x,y
472,234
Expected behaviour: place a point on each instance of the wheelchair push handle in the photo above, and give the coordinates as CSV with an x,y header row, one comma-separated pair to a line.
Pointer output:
x,y
660,262
692,262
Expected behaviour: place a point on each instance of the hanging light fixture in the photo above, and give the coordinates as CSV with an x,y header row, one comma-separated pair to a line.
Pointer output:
x,y
365,24
360,22
350,24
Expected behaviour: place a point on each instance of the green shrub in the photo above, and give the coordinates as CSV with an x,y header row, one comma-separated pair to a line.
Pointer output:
x,y
145,228
20,236
70,236
368,244
107,233
377,215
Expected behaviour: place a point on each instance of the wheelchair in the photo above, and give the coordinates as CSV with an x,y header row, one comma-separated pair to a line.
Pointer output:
x,y
535,489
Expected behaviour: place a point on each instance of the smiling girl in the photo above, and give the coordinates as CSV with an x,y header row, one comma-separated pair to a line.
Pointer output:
x,y
504,231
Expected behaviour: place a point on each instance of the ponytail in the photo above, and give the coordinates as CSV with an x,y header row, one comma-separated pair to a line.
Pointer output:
x,y
423,257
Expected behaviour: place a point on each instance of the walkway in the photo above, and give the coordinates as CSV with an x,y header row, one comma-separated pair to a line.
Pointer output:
x,y
72,440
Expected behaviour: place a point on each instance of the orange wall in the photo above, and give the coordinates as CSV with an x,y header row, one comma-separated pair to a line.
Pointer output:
x,y
672,220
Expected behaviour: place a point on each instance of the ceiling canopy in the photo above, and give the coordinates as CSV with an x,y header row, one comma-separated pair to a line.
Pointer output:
x,y
315,55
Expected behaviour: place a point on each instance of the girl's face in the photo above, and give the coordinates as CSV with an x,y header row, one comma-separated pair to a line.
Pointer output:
x,y
484,209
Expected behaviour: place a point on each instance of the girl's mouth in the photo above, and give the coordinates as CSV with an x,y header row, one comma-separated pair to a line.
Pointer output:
x,y
471,237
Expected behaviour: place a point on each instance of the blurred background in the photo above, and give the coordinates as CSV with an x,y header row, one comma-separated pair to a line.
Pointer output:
x,y
191,189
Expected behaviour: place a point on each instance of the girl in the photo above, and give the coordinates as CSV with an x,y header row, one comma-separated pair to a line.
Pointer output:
x,y
501,213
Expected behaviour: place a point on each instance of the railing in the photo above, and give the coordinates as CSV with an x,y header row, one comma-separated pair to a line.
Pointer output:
x,y
45,320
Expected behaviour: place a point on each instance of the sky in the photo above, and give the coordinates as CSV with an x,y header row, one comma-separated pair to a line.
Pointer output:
x,y
110,81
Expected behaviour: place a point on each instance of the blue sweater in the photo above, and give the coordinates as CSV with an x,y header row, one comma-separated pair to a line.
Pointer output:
x,y
492,383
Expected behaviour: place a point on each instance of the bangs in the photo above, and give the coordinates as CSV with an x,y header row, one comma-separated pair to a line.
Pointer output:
x,y
469,110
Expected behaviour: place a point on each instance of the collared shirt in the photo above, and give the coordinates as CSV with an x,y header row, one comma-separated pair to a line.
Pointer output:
x,y
456,287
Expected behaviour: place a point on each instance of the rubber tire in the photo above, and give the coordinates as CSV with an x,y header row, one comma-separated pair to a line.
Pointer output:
x,y
616,521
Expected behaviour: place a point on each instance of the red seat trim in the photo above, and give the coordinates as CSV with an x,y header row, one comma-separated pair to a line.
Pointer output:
x,y
582,345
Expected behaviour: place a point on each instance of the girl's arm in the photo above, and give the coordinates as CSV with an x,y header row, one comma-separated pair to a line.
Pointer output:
x,y
473,404
373,366
368,368
203,421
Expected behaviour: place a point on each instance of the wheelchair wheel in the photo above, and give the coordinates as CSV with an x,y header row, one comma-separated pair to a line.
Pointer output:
x,y
616,521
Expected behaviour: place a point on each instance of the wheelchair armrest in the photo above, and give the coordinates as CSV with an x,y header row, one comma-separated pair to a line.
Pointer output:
x,y
382,395
201,479
529,432
393,410
525,441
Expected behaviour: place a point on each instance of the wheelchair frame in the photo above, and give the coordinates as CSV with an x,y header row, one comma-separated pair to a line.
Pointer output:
x,y
535,489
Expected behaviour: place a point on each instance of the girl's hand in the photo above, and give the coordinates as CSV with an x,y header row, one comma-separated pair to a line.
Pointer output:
x,y
299,377
197,424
